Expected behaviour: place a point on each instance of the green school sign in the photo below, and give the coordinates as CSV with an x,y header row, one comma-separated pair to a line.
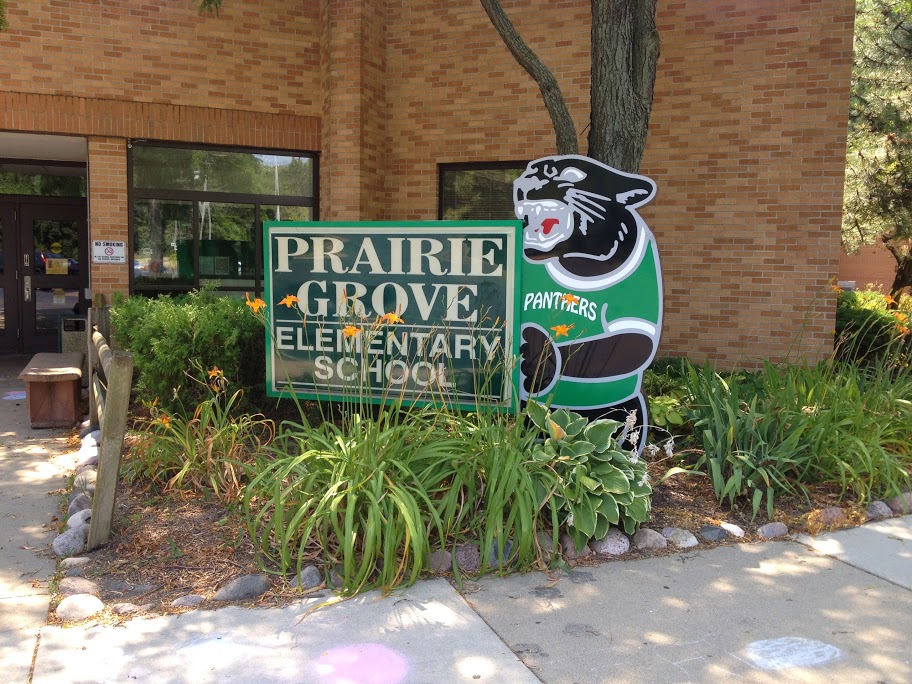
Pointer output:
x,y
412,312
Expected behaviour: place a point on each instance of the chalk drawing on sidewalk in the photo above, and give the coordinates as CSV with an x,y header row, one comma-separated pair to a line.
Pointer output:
x,y
14,396
365,663
788,652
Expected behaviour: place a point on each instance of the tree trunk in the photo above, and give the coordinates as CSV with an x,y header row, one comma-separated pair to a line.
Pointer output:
x,y
625,51
903,276
564,129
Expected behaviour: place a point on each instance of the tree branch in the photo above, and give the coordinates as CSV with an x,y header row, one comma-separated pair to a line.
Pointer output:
x,y
564,129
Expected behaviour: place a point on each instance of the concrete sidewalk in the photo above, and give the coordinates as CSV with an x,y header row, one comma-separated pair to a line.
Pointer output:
x,y
836,608
33,464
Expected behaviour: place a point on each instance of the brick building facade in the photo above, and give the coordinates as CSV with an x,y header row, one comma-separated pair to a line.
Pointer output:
x,y
747,139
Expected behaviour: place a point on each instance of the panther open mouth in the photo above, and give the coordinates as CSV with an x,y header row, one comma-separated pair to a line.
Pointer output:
x,y
546,223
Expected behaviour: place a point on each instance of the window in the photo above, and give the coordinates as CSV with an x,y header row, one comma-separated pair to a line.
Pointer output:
x,y
44,178
478,192
197,213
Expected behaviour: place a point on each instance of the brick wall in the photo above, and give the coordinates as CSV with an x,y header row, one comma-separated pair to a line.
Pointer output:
x,y
747,142
747,145
108,209
870,265
255,55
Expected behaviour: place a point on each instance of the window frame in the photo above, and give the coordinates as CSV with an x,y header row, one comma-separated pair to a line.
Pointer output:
x,y
197,196
471,166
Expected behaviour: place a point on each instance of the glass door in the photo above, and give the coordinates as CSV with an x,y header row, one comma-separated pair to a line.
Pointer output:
x,y
9,311
53,256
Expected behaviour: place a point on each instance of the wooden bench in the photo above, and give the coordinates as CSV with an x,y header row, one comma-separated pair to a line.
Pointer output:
x,y
52,388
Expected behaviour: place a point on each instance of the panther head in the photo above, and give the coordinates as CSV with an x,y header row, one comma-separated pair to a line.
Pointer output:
x,y
576,209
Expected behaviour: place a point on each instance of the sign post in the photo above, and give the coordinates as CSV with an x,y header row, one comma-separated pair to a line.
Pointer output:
x,y
410,312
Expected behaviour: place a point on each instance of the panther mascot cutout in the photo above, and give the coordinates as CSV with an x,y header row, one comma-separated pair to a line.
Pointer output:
x,y
592,289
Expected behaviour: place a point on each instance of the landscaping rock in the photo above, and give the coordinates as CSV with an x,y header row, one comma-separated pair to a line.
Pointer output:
x,y
441,561
80,502
679,538
74,572
80,518
901,504
733,530
546,543
188,601
87,462
877,510
646,539
713,533
494,561
78,585
468,558
310,577
79,607
90,430
772,530
569,549
85,454
90,441
615,543
85,480
75,562
244,587
833,515
70,543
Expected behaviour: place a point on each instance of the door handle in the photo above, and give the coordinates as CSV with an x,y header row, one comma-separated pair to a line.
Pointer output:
x,y
27,281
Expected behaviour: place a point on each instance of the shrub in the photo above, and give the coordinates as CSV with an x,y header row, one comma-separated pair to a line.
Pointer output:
x,y
203,329
868,331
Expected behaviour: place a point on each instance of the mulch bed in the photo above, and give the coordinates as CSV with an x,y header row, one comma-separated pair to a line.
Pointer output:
x,y
167,545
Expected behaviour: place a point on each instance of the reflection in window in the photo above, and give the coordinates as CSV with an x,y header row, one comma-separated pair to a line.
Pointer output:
x,y
163,241
46,179
56,247
208,170
483,192
280,213
227,244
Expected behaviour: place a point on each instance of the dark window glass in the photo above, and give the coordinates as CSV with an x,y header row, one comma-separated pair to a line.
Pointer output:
x,y
162,242
227,244
177,168
482,193
197,213
47,180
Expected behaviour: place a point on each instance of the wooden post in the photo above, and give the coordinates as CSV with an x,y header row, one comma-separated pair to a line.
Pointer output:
x,y
119,375
92,356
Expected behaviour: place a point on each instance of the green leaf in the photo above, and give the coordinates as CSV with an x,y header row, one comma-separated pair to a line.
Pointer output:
x,y
599,432
584,517
638,509
608,507
539,415
563,418
576,425
615,482
577,449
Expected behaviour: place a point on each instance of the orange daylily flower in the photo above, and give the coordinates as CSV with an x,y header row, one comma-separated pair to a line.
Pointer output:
x,y
562,330
836,288
289,301
255,304
391,318
165,420
351,331
216,372
900,316
570,299
889,300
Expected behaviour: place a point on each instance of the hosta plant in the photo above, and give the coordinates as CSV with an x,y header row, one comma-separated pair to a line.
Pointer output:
x,y
591,482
